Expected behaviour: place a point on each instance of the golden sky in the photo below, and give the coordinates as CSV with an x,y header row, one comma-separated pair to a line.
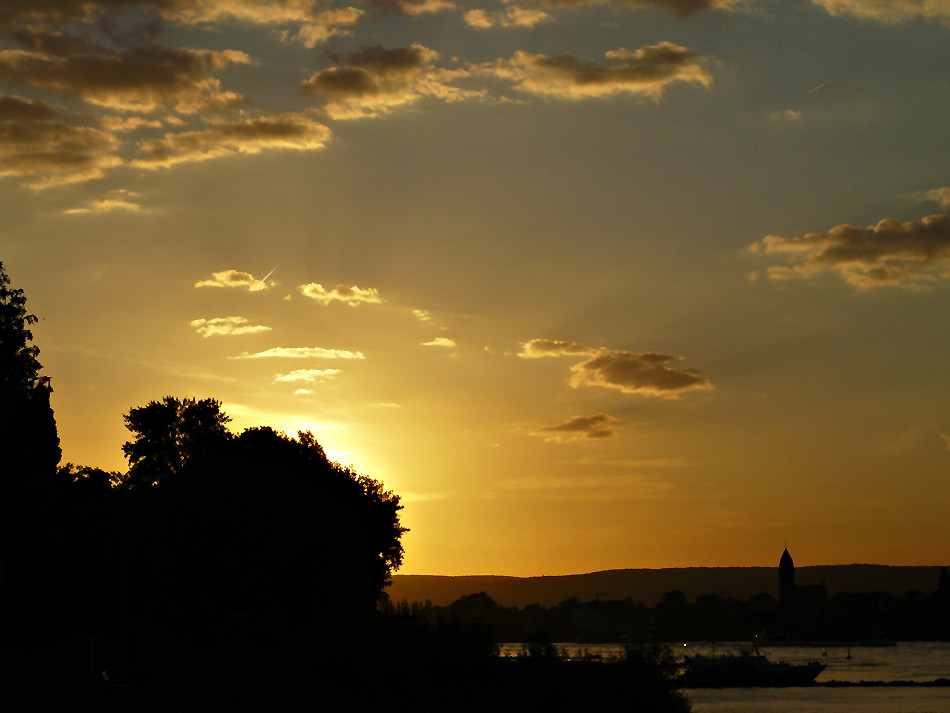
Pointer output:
x,y
592,285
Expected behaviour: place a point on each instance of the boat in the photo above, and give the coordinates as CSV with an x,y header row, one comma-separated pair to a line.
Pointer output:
x,y
745,669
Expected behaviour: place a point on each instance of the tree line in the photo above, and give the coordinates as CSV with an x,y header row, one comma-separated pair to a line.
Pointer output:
x,y
846,617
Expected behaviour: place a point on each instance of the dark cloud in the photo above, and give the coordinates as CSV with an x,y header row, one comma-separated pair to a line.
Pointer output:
x,y
596,426
893,252
17,109
681,8
407,7
54,152
294,132
646,71
383,60
376,80
648,373
633,373
138,79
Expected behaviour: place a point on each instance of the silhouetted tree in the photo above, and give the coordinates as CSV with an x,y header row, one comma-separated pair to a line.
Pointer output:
x,y
257,554
31,553
29,444
168,434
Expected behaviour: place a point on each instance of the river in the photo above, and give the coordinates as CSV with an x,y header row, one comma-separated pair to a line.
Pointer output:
x,y
910,661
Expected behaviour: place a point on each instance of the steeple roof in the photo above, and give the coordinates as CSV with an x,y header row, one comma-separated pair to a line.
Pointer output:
x,y
786,560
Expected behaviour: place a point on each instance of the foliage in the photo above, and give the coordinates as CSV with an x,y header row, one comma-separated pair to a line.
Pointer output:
x,y
19,366
168,434
29,444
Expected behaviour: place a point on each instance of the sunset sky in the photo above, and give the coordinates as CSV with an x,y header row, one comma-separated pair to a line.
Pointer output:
x,y
591,285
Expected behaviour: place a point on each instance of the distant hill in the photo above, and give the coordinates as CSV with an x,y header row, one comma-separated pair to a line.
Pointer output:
x,y
649,585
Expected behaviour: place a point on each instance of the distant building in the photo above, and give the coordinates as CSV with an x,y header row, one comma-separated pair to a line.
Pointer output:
x,y
797,595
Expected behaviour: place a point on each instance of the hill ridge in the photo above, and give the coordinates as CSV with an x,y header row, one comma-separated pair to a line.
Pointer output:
x,y
647,585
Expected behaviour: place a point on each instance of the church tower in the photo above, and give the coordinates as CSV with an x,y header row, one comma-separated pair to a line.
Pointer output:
x,y
786,578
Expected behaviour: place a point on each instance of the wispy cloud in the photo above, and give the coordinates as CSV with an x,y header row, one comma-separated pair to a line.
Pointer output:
x,y
940,196
646,373
301,353
596,426
592,487
226,325
647,71
309,375
220,138
36,142
787,115
376,80
893,252
141,79
351,295
891,11
439,342
537,348
511,16
117,200
235,278
681,8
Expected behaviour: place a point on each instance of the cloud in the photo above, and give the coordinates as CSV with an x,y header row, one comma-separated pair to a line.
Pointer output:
x,y
891,11
537,348
422,315
128,123
648,374
312,22
643,72
788,115
940,196
946,440
119,199
439,342
302,353
413,9
56,153
288,132
681,8
353,296
235,278
633,373
893,252
512,16
17,109
376,80
141,79
309,375
596,426
226,325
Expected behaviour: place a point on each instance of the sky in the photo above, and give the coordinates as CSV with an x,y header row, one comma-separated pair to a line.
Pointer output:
x,y
590,285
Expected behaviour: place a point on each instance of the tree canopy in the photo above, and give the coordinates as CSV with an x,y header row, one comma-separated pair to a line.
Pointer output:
x,y
169,433
29,444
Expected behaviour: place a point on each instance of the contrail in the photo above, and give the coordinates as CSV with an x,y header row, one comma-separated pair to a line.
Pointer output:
x,y
264,279
820,86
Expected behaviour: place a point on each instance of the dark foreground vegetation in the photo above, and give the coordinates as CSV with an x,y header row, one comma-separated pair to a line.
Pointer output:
x,y
231,573
845,617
